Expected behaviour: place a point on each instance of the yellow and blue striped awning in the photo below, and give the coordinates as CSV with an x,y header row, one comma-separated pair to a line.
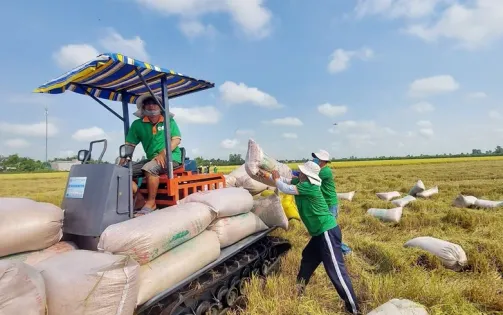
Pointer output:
x,y
111,75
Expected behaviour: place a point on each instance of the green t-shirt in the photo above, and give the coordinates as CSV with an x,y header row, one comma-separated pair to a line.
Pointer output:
x,y
313,209
328,186
152,137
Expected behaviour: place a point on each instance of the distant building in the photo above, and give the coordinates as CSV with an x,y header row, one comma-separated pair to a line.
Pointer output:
x,y
63,165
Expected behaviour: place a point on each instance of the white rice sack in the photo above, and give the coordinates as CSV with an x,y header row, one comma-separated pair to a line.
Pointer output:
x,y
464,201
233,229
346,196
399,307
481,203
270,211
386,215
177,264
146,237
451,255
224,202
27,225
256,159
230,181
388,195
402,202
82,282
417,188
34,257
22,289
428,193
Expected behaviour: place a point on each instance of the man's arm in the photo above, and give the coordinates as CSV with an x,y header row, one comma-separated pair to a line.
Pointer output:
x,y
286,188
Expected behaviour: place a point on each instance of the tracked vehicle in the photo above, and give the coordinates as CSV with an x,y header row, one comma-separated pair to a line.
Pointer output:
x,y
100,194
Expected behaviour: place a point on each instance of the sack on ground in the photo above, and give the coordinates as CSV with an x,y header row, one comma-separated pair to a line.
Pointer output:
x,y
256,159
224,202
82,282
27,225
177,264
388,195
399,307
233,229
22,289
146,237
270,211
464,201
346,196
402,202
417,188
451,255
386,215
487,204
289,206
33,258
428,193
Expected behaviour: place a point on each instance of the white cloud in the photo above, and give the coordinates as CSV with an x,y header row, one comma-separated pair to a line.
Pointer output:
x,y
244,132
194,28
196,115
233,93
89,134
424,123
287,121
73,55
229,143
341,59
332,110
477,95
433,85
398,8
495,115
17,143
423,107
133,47
289,135
195,151
474,25
426,132
252,17
34,130
389,131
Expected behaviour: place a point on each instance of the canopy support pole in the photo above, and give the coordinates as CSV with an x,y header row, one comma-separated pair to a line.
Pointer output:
x,y
142,78
102,104
125,114
167,127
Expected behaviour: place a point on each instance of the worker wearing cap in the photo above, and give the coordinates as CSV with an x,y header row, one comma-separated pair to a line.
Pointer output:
x,y
149,130
322,158
326,236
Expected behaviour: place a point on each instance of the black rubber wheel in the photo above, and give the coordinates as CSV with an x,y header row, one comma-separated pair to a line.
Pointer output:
x,y
231,296
213,310
203,307
265,268
242,284
246,272
221,293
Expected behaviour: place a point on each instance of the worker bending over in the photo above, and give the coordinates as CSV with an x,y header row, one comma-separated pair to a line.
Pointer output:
x,y
325,243
149,130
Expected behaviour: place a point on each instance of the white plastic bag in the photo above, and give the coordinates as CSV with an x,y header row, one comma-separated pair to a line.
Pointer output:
x,y
346,196
146,237
417,188
402,202
22,289
177,264
487,204
27,225
224,202
399,307
233,229
451,255
386,215
257,160
270,211
33,258
428,193
388,195
464,201
82,282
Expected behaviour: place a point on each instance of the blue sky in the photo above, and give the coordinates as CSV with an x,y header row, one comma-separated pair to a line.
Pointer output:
x,y
398,76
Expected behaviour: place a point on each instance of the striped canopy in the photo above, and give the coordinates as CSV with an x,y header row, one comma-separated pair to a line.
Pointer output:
x,y
111,75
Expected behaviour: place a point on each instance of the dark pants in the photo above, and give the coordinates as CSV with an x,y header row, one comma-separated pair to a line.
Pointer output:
x,y
326,248
151,167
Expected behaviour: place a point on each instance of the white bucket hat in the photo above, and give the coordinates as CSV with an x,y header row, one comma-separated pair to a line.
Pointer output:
x,y
322,155
139,104
311,170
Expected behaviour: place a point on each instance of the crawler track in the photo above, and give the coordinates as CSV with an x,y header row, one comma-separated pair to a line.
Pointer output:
x,y
221,288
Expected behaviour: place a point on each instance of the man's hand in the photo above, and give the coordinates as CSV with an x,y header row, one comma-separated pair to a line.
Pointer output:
x,y
122,161
161,158
275,175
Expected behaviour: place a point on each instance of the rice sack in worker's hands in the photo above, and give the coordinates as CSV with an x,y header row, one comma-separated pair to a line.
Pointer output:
x,y
257,160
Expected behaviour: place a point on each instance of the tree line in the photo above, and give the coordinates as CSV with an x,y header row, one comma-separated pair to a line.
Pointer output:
x,y
16,163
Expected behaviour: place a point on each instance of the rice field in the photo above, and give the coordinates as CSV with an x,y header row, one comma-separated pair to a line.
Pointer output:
x,y
380,267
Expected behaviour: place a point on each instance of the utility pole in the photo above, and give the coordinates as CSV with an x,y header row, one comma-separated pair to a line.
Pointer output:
x,y
46,132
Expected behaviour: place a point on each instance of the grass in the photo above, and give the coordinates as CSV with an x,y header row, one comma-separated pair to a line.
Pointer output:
x,y
380,267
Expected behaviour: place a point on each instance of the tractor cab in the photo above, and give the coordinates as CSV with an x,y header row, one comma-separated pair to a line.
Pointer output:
x,y
100,194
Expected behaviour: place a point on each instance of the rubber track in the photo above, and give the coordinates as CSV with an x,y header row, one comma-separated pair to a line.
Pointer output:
x,y
220,289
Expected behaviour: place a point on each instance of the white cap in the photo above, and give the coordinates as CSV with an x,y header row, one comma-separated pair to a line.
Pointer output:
x,y
311,170
322,155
